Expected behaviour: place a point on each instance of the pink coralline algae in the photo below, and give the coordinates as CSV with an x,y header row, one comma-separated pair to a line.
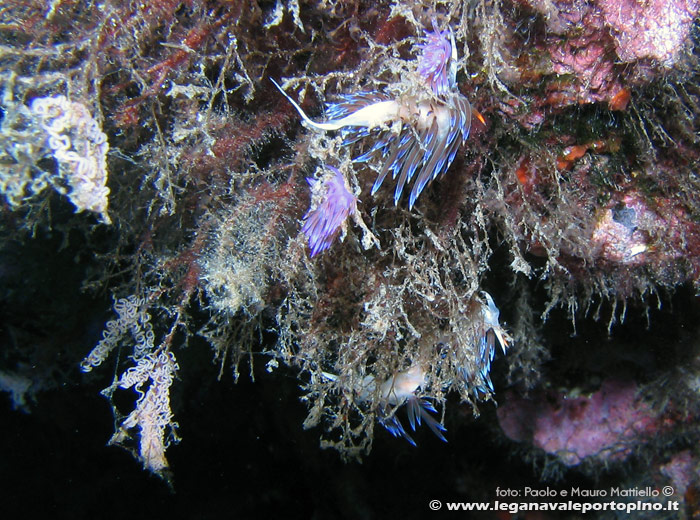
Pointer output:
x,y
323,224
594,43
656,233
623,233
604,426
682,470
587,59
655,30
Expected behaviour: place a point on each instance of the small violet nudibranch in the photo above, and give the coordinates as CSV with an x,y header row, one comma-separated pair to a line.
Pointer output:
x,y
438,62
323,224
416,136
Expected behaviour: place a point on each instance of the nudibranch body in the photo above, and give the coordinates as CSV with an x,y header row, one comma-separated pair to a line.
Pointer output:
x,y
493,333
323,224
438,62
398,390
418,136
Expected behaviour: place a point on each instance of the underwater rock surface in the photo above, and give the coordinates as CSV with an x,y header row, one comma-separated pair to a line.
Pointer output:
x,y
229,229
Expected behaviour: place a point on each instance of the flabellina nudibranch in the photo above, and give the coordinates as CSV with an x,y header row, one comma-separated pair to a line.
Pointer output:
x,y
492,333
418,135
323,224
398,390
402,389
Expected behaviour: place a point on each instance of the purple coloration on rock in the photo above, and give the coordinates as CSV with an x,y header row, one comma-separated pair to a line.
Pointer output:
x,y
655,30
605,426
682,470
598,47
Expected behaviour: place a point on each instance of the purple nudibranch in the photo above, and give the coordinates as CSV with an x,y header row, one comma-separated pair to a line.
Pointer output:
x,y
418,135
323,224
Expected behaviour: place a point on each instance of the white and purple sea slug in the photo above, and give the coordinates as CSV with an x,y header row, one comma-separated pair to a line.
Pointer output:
x,y
492,333
323,224
398,390
438,63
417,136
402,389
